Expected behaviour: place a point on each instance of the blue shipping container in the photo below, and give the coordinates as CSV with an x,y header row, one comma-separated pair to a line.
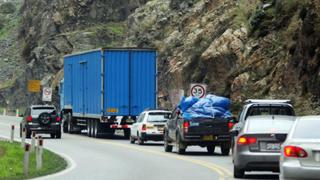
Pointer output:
x,y
110,82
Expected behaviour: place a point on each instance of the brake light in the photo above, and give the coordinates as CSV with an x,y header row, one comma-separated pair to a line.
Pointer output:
x,y
29,118
58,118
144,127
294,151
244,140
230,125
186,125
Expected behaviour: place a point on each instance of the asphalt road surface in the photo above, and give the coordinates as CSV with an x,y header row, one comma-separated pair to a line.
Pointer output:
x,y
117,159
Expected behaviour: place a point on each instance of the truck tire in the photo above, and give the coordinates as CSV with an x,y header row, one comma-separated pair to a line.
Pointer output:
x,y
94,128
126,133
225,148
70,127
89,127
167,146
211,149
181,149
238,173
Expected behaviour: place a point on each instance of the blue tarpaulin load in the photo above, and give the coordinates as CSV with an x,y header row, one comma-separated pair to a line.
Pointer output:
x,y
211,106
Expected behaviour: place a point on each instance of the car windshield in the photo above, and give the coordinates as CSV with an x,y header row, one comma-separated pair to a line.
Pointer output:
x,y
270,110
307,129
269,126
158,117
38,110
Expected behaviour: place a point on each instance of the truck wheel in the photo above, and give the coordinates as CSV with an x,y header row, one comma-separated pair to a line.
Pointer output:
x,y
89,129
180,147
140,140
225,148
94,128
132,140
70,127
126,133
167,147
238,173
211,149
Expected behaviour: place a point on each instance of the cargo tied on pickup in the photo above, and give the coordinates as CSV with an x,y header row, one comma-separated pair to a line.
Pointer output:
x,y
106,89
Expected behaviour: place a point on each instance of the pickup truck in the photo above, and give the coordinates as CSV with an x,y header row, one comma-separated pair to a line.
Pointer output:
x,y
204,132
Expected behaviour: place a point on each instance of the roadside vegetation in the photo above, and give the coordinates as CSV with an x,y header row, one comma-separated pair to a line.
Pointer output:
x,y
11,162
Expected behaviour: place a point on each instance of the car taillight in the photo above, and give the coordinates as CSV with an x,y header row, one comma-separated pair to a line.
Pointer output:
x,y
294,151
230,125
144,127
245,140
186,125
58,118
29,118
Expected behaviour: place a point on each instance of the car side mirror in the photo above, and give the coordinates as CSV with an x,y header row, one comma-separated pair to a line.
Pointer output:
x,y
234,132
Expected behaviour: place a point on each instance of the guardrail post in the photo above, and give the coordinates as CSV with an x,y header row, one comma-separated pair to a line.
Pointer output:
x,y
26,160
39,153
23,137
33,141
12,134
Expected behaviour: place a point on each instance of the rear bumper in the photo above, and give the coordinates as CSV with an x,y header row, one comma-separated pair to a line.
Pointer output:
x,y
44,129
294,170
257,161
189,139
152,137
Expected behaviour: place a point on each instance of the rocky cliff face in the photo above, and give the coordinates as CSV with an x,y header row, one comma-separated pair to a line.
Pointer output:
x,y
240,48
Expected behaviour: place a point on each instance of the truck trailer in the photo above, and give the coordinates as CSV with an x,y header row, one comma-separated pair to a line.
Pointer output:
x,y
106,89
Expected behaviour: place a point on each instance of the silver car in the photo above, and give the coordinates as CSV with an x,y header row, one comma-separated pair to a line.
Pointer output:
x,y
257,146
300,153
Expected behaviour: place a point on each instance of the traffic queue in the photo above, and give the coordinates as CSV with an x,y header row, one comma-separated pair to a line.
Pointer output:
x,y
266,136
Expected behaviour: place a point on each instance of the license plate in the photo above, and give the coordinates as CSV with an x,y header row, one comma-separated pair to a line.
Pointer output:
x,y
208,138
271,146
194,124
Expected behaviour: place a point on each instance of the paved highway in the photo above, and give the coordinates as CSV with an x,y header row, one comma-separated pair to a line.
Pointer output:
x,y
116,159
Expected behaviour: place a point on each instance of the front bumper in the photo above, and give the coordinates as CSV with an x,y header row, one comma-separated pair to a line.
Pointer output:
x,y
292,169
257,161
54,127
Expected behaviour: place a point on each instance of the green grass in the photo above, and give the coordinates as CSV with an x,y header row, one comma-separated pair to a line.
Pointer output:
x,y
11,162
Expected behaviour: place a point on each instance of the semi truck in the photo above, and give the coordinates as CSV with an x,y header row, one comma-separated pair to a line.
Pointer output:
x,y
104,90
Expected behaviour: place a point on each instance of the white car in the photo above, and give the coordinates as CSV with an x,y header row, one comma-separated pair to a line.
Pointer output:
x,y
149,126
300,153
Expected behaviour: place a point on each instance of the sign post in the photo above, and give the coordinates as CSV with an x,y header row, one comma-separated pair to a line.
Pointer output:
x,y
198,90
47,94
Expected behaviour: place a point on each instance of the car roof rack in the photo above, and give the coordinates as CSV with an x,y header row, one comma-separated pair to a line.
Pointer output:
x,y
268,101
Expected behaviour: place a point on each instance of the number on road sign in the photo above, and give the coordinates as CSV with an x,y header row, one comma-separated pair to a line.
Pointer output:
x,y
198,90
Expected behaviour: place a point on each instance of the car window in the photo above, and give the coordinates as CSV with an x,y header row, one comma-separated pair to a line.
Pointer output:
x,y
269,126
158,117
38,110
270,110
307,129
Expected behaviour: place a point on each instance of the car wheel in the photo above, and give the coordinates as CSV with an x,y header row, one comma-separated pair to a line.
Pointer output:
x,y
20,131
52,135
238,173
28,134
167,147
211,149
225,148
180,147
132,140
126,133
140,141
58,134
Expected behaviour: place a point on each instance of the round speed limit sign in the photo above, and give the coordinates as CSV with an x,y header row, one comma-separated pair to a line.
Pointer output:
x,y
198,90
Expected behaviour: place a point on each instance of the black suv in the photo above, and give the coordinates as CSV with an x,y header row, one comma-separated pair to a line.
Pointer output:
x,y
41,119
204,132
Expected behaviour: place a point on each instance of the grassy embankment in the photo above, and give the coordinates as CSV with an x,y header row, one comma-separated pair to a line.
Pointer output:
x,y
11,162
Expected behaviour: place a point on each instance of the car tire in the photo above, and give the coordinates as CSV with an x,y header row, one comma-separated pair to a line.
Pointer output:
x,y
140,140
58,135
238,173
20,131
225,148
28,134
132,140
167,146
211,149
126,133
52,135
181,149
